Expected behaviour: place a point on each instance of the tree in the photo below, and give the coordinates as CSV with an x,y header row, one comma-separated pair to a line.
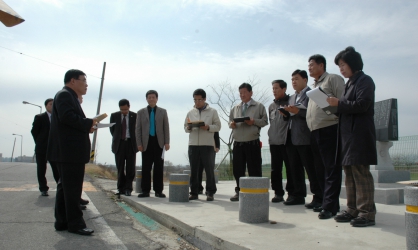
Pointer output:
x,y
226,96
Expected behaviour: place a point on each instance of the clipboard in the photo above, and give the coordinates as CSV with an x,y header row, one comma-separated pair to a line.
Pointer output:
x,y
241,119
196,124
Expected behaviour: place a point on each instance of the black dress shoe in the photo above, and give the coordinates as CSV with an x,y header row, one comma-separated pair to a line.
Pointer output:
x,y
325,214
84,202
128,193
209,197
362,222
344,217
143,195
317,209
193,197
290,197
295,201
44,193
235,197
277,198
312,205
83,207
160,195
60,226
84,231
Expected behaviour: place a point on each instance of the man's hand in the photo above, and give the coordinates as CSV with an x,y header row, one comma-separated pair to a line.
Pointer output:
x,y
206,127
292,109
92,130
233,125
216,150
167,147
250,121
140,149
332,101
94,123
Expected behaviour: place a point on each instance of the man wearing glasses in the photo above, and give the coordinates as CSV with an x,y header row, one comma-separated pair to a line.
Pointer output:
x,y
69,147
247,151
201,123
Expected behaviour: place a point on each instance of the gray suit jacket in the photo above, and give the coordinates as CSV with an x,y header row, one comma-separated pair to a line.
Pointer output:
x,y
162,128
300,133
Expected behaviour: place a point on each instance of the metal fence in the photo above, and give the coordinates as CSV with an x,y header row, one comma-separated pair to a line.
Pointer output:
x,y
404,154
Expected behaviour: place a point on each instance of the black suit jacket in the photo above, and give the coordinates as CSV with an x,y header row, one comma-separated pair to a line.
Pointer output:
x,y
69,139
300,133
40,132
116,130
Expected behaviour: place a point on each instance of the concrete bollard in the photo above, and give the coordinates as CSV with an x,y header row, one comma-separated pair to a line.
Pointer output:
x,y
138,182
254,199
189,172
411,216
179,188
216,176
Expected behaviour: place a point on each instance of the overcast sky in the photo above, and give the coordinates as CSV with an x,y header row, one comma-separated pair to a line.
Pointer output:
x,y
175,47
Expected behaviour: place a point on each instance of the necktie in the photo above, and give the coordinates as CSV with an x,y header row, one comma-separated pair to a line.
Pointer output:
x,y
152,123
244,109
124,128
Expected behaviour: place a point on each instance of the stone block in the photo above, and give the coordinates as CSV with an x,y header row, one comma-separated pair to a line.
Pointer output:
x,y
390,176
254,199
411,217
179,188
138,181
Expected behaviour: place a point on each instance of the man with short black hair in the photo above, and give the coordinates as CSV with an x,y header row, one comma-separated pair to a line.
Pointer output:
x,y
247,151
69,146
277,139
201,144
124,146
152,137
324,138
298,143
40,134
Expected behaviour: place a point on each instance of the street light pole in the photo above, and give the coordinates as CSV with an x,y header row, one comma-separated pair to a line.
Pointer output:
x,y
21,143
25,102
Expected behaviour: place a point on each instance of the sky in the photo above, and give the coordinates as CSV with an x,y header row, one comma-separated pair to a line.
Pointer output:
x,y
176,47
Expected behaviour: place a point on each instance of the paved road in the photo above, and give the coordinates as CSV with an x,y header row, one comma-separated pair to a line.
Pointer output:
x,y
27,218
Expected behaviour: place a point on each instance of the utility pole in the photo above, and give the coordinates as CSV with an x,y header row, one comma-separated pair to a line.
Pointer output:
x,y
14,143
93,146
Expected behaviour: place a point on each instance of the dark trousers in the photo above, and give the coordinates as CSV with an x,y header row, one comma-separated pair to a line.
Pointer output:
x,y
324,144
125,163
278,156
246,155
360,191
67,201
152,156
301,156
202,157
41,164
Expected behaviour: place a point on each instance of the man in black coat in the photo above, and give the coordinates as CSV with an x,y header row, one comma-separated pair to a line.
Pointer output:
x,y
40,133
124,146
69,147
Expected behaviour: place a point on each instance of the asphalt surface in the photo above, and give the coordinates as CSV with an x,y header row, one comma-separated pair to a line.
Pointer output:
x,y
27,218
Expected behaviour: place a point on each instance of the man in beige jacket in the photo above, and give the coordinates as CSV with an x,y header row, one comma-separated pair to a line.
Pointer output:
x,y
247,151
152,135
201,143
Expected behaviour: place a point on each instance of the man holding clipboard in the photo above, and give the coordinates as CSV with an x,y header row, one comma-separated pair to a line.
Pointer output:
x,y
323,128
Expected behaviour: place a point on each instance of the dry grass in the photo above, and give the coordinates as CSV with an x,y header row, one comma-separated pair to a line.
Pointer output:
x,y
101,172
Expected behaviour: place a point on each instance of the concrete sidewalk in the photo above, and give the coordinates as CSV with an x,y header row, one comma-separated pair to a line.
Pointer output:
x,y
215,225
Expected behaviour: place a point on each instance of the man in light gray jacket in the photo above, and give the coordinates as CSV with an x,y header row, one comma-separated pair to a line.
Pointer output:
x,y
277,139
246,151
201,143
152,135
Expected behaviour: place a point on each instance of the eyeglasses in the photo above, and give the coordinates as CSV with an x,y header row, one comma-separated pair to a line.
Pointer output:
x,y
198,100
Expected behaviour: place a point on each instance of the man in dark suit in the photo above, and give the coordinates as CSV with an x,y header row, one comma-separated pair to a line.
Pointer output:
x,y
69,147
152,136
40,133
124,146
298,143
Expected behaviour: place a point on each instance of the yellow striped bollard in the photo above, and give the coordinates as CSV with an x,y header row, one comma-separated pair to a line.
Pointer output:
x,y
179,188
138,182
254,199
411,215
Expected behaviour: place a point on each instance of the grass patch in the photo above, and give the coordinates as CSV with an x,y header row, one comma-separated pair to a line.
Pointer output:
x,y
101,171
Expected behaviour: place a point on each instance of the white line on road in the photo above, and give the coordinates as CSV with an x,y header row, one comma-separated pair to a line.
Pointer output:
x,y
103,229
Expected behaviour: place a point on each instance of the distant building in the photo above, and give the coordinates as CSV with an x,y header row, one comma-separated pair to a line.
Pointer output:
x,y
1,157
25,159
